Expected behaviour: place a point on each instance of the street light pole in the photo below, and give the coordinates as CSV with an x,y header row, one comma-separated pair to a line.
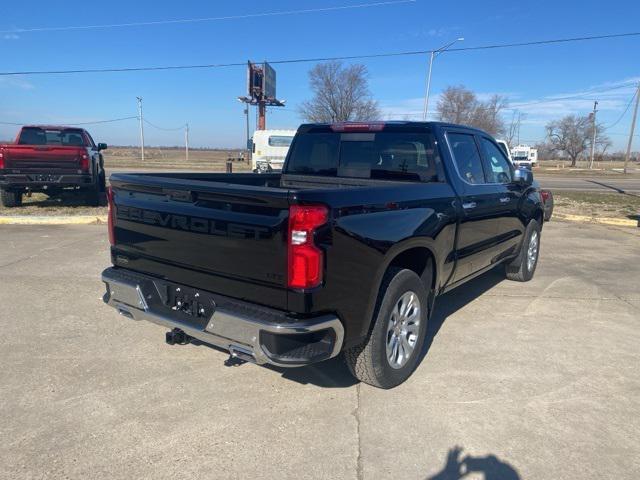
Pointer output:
x,y
426,96
434,54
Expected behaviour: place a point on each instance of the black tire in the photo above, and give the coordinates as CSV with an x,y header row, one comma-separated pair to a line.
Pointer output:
x,y
92,196
96,195
369,361
521,269
10,199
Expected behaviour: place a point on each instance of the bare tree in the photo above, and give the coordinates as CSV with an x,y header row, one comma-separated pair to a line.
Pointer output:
x,y
340,94
572,135
458,104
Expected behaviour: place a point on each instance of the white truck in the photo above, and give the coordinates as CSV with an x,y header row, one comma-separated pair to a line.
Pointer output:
x,y
524,156
269,149
505,148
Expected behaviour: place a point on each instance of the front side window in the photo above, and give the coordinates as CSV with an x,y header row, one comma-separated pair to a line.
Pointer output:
x,y
467,157
383,155
499,170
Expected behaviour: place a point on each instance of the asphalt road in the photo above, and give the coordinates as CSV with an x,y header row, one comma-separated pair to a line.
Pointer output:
x,y
610,183
531,381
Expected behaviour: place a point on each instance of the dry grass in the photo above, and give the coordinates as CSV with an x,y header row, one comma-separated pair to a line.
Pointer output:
x,y
561,167
593,204
40,204
172,158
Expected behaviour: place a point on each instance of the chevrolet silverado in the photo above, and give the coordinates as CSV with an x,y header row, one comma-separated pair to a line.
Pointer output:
x,y
345,251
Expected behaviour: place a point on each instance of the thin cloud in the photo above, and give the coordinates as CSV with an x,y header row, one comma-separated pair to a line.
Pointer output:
x,y
16,82
10,36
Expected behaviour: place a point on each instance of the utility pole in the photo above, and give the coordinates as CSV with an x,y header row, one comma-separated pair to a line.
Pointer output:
x,y
248,145
141,127
434,54
519,118
593,140
186,142
633,129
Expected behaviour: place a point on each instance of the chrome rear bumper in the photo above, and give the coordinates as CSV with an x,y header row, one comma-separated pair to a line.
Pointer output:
x,y
251,332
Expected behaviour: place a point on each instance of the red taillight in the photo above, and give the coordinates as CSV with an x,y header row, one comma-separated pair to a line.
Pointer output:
x,y
305,258
545,195
84,162
110,214
357,127
1,160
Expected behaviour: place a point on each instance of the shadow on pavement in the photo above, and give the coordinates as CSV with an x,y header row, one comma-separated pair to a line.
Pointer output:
x,y
334,373
490,466
449,303
619,190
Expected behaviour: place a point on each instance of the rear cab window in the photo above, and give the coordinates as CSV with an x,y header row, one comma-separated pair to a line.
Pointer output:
x,y
68,137
379,155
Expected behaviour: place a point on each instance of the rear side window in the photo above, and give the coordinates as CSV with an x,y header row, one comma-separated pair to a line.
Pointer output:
x,y
467,157
375,155
280,141
40,136
499,170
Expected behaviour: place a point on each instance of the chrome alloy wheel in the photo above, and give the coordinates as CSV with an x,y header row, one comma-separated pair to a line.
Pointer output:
x,y
403,329
532,251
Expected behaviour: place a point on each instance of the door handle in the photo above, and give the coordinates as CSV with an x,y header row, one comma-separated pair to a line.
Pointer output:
x,y
469,205
505,200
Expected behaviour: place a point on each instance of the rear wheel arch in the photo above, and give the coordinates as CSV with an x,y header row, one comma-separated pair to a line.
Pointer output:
x,y
414,256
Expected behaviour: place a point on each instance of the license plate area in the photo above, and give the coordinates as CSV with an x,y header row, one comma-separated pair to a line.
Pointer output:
x,y
186,304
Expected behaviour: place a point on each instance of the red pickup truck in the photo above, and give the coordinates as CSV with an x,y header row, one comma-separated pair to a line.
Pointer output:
x,y
50,159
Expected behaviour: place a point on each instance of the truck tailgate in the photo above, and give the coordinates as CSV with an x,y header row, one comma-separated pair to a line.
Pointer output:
x,y
49,157
226,238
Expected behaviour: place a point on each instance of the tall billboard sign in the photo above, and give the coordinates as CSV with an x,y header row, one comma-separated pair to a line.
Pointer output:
x,y
268,81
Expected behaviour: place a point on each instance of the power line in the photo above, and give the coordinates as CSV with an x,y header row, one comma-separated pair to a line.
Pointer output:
x,y
210,19
623,113
319,59
72,124
181,127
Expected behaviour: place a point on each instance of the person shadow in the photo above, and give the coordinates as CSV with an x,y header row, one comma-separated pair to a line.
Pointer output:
x,y
458,467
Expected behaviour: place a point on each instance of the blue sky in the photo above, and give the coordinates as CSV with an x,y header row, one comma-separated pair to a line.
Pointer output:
x,y
206,98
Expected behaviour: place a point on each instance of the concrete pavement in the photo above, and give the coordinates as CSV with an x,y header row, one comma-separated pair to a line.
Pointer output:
x,y
532,381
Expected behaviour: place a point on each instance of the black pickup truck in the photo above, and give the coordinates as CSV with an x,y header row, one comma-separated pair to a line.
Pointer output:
x,y
345,251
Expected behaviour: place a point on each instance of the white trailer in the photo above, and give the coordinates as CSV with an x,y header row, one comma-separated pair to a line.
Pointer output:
x,y
269,149
524,156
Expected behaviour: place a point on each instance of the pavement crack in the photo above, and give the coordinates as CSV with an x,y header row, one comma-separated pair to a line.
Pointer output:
x,y
356,414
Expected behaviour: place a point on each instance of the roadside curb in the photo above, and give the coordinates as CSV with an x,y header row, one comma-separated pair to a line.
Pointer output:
x,y
616,222
54,220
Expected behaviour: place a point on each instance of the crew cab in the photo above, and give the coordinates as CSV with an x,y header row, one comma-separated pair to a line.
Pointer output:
x,y
345,251
49,159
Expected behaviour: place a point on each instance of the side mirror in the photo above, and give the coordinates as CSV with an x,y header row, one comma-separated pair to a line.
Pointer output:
x,y
102,146
523,176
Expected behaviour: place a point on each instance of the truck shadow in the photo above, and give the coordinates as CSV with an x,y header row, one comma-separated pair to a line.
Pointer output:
x,y
449,303
490,466
335,374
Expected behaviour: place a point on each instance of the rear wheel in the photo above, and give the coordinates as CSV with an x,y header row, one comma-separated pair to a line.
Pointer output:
x,y
524,266
10,199
391,352
95,196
